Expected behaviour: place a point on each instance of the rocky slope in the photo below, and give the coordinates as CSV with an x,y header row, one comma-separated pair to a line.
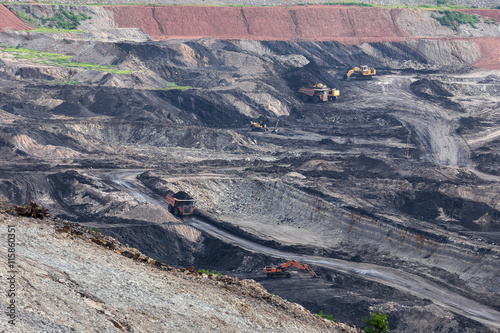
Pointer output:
x,y
399,173
107,287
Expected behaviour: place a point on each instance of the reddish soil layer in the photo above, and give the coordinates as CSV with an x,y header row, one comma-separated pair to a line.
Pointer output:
x,y
262,23
490,53
348,25
10,21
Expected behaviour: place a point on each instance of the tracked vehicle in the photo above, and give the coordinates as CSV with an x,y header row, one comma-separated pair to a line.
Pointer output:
x,y
281,271
361,73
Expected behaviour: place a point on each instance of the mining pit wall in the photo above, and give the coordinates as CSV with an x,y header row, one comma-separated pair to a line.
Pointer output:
x,y
341,229
347,25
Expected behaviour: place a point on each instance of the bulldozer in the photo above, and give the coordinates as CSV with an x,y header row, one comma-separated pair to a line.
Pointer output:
x,y
318,93
361,73
281,271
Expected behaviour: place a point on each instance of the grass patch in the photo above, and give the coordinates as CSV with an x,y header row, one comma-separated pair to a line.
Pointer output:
x,y
102,68
174,86
57,30
206,271
454,19
56,59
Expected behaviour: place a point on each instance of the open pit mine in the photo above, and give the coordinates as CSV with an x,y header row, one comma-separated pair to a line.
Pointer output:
x,y
362,143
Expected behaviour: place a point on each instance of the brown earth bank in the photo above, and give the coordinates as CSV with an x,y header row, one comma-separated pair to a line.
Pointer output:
x,y
274,23
347,25
8,20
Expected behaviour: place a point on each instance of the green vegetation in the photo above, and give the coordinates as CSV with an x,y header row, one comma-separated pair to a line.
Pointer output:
x,y
491,21
25,18
454,19
329,317
206,271
73,82
55,30
56,59
174,86
62,19
102,68
94,229
444,2
377,323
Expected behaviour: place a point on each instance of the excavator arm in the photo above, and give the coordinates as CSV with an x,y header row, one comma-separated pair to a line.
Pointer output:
x,y
301,266
363,72
351,72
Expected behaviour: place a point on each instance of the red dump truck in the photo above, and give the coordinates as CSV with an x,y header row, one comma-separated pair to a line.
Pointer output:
x,y
180,203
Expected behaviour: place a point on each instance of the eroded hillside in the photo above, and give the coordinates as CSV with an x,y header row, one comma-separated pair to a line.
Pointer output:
x,y
109,287
394,181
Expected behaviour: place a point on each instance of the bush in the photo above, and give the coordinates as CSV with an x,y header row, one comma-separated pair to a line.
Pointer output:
x,y
206,271
62,19
329,317
377,323
453,19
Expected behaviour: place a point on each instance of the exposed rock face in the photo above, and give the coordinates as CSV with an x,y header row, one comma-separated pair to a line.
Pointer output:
x,y
341,179
72,279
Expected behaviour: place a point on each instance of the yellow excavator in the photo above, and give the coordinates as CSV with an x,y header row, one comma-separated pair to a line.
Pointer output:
x,y
258,127
361,73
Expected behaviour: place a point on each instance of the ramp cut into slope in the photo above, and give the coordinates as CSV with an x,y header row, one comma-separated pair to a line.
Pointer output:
x,y
10,21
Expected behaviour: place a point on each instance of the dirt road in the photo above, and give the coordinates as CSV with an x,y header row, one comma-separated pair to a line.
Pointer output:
x,y
415,285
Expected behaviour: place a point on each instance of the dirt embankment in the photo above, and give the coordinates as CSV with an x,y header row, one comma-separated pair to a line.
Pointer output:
x,y
275,23
348,25
10,21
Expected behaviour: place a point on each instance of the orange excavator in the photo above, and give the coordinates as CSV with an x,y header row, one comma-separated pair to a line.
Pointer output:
x,y
280,271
